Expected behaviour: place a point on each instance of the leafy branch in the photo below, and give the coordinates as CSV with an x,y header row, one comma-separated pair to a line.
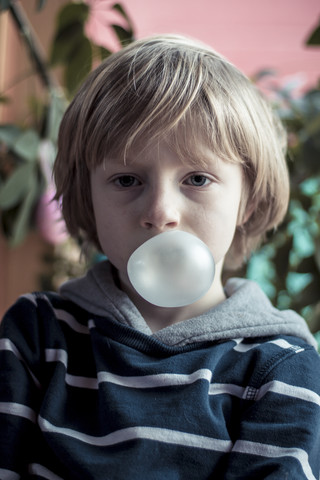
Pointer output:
x,y
288,266
24,171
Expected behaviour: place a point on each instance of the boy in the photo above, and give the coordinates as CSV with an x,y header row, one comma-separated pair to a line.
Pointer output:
x,y
96,382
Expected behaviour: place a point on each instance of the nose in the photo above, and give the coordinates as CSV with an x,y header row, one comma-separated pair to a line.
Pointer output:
x,y
160,210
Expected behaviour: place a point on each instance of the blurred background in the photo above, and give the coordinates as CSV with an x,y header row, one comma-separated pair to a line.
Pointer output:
x,y
46,50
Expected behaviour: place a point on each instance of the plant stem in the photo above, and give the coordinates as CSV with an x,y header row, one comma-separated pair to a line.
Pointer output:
x,y
31,43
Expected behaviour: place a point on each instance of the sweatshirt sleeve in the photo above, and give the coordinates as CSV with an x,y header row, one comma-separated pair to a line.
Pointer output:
x,y
279,433
20,388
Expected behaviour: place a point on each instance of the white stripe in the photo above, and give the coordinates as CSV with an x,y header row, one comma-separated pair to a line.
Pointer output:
x,y
284,344
256,394
56,355
60,355
245,347
8,475
91,324
81,382
273,451
8,345
11,408
289,390
229,388
152,381
30,297
37,469
146,381
71,321
149,433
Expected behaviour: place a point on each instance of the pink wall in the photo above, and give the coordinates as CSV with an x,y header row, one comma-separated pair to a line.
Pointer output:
x,y
253,34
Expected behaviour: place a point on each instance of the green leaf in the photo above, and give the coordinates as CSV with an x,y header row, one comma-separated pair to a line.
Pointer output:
x,y
71,47
281,258
65,43
265,72
79,65
57,107
104,52
9,134
26,145
4,99
308,296
307,265
70,14
23,219
317,253
119,8
312,127
314,38
16,186
125,36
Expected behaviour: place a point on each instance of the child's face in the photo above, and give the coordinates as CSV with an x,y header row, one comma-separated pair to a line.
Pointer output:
x,y
155,192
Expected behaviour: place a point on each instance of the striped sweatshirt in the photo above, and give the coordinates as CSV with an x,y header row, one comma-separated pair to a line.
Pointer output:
x,y
88,392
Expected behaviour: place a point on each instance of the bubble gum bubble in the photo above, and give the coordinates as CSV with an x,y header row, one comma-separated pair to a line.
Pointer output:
x,y
172,269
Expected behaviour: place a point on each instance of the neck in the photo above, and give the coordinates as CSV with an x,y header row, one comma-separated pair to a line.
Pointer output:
x,y
158,318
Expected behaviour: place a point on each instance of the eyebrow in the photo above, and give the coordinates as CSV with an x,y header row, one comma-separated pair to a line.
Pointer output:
x,y
114,162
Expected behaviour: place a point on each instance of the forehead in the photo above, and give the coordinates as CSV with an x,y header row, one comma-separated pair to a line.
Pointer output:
x,y
190,145
154,157
200,156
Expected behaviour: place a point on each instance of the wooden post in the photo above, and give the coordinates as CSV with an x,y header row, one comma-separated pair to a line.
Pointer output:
x,y
21,268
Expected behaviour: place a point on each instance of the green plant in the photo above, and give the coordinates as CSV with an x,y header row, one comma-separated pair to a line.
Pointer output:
x,y
288,265
74,50
24,172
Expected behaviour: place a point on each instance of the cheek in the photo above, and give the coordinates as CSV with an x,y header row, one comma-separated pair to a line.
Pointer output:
x,y
219,231
115,237
220,240
107,228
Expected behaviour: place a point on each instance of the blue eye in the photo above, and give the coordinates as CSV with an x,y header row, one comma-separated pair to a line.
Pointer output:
x,y
126,181
197,180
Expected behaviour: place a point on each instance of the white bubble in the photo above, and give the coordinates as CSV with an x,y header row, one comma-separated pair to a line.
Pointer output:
x,y
172,269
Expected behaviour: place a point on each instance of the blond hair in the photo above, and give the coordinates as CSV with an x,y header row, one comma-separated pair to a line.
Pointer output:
x,y
180,90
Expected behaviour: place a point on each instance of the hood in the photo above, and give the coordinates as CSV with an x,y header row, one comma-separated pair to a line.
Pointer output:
x,y
246,313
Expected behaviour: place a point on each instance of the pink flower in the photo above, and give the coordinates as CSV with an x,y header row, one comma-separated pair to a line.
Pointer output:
x,y
49,219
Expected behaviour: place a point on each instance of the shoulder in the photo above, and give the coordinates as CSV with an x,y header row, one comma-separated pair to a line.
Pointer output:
x,y
257,317
39,304
36,317
40,329
281,362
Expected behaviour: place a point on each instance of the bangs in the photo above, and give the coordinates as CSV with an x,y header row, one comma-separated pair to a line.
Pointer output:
x,y
171,96
189,140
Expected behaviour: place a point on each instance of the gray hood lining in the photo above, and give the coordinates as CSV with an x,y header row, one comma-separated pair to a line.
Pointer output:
x,y
246,313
